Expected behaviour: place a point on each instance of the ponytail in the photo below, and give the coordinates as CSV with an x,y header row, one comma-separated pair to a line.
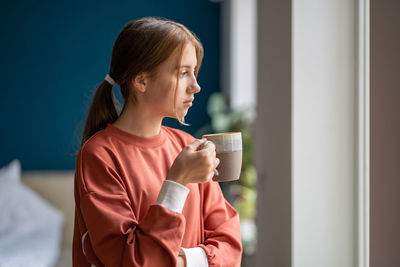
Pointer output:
x,y
102,111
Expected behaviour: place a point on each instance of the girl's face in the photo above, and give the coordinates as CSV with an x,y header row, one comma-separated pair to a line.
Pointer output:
x,y
160,89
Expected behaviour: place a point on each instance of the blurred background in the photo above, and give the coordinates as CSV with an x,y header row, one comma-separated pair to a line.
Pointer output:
x,y
55,55
312,85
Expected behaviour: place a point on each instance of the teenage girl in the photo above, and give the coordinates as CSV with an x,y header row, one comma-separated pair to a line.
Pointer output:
x,y
144,192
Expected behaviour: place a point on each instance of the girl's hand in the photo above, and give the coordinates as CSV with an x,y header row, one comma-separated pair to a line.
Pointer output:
x,y
193,165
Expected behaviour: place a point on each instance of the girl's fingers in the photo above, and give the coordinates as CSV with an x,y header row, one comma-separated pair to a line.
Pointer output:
x,y
196,144
217,162
205,144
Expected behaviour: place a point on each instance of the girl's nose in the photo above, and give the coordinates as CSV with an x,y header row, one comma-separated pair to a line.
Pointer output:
x,y
194,87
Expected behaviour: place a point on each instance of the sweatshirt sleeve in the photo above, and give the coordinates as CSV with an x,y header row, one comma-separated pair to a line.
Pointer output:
x,y
222,243
112,235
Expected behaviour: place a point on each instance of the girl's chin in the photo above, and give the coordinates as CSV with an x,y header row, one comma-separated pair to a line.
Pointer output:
x,y
184,110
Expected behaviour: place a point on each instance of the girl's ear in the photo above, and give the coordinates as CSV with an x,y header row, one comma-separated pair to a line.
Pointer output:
x,y
140,82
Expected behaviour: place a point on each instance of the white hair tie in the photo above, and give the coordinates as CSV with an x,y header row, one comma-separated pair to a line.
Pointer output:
x,y
110,80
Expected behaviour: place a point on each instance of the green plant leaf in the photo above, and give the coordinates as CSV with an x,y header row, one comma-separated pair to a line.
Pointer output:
x,y
220,123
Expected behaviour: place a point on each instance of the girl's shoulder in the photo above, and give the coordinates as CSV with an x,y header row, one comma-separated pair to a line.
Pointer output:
x,y
97,143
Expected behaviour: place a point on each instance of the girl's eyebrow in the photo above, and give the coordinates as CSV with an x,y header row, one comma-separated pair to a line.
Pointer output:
x,y
185,66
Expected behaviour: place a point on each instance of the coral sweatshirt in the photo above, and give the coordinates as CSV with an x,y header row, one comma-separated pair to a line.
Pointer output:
x,y
127,214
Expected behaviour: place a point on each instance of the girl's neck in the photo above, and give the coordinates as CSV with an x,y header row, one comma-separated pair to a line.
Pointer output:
x,y
139,121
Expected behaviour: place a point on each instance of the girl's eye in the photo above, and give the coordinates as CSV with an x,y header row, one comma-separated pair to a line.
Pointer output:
x,y
186,73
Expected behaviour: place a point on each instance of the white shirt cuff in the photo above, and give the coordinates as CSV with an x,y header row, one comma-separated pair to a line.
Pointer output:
x,y
173,195
195,257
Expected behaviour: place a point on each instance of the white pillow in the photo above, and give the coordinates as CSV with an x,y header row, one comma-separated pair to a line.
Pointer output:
x,y
11,172
30,228
10,177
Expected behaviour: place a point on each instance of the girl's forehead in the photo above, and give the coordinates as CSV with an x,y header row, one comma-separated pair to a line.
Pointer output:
x,y
185,58
189,56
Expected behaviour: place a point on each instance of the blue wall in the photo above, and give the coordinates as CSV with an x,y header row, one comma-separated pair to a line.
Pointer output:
x,y
54,55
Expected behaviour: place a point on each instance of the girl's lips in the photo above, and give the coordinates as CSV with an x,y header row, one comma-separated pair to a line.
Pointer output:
x,y
189,102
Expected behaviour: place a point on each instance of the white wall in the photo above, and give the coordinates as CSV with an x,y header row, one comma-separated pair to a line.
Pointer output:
x,y
242,53
323,133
